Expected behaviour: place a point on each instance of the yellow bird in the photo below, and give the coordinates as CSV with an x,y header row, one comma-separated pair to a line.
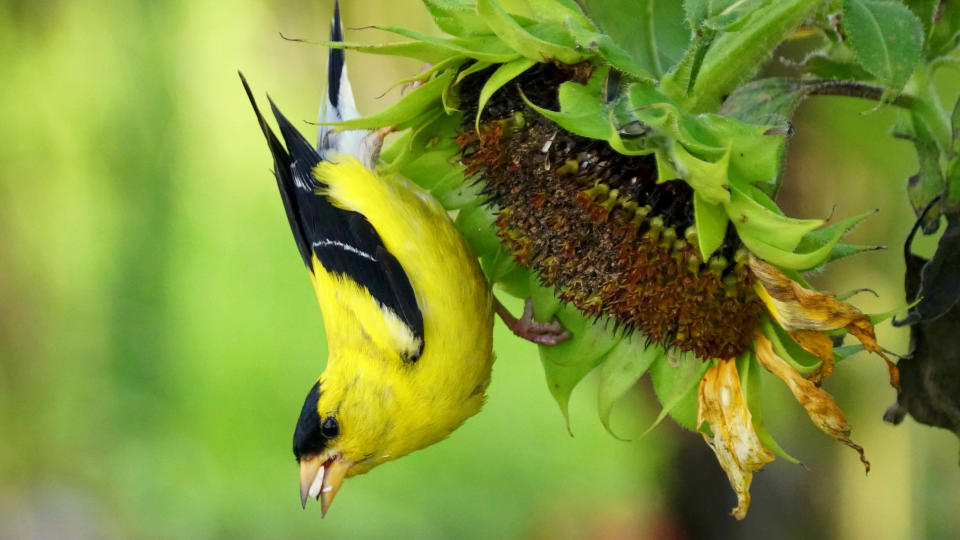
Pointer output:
x,y
407,310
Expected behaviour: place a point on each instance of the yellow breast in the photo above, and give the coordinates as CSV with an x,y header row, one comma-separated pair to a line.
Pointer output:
x,y
445,385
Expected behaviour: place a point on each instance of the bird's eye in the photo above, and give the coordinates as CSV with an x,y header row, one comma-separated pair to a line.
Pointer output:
x,y
330,428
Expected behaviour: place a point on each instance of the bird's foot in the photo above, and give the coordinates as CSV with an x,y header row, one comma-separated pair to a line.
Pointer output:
x,y
541,333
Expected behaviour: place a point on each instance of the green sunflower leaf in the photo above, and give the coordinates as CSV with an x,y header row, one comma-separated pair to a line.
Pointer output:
x,y
709,179
471,69
559,12
429,169
411,146
756,150
484,48
720,14
449,100
419,50
453,63
786,259
439,180
475,222
581,108
458,195
943,35
620,371
503,75
679,81
561,380
639,146
708,150
841,250
807,260
769,102
545,301
590,338
886,37
427,134
549,45
418,102
925,10
657,111
510,276
608,49
711,221
563,372
665,169
676,378
650,31
457,17
767,440
502,271
819,238
755,220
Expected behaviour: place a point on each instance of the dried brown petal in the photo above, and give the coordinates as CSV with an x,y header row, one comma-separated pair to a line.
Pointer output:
x,y
821,407
819,345
797,308
863,331
739,451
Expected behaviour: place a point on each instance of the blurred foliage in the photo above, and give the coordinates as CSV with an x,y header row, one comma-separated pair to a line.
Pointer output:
x,y
157,332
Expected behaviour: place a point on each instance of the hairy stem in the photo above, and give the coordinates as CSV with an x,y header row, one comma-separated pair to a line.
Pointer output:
x,y
929,108
924,103
861,90
733,56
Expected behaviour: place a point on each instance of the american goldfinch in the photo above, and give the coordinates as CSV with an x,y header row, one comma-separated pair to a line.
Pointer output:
x,y
407,311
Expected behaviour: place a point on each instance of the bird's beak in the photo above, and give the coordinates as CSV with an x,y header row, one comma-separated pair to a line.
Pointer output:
x,y
320,477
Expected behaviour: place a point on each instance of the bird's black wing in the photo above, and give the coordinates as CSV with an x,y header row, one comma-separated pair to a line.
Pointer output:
x,y
343,241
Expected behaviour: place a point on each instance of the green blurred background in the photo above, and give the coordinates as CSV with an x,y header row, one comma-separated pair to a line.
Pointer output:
x,y
158,332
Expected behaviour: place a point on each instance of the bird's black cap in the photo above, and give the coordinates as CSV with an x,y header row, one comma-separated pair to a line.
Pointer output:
x,y
308,436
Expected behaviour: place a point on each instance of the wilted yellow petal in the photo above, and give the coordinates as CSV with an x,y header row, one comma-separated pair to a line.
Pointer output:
x,y
820,406
738,449
863,331
819,345
797,309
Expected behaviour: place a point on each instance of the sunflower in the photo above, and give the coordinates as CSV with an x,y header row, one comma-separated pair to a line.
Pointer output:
x,y
643,222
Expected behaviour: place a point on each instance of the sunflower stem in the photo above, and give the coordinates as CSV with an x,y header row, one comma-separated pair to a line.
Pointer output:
x,y
928,107
733,56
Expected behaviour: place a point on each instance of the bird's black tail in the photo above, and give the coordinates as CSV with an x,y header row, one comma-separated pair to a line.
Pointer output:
x,y
342,241
293,172
336,62
339,104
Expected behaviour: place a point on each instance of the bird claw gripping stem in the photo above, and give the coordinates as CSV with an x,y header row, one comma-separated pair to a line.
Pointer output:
x,y
541,333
